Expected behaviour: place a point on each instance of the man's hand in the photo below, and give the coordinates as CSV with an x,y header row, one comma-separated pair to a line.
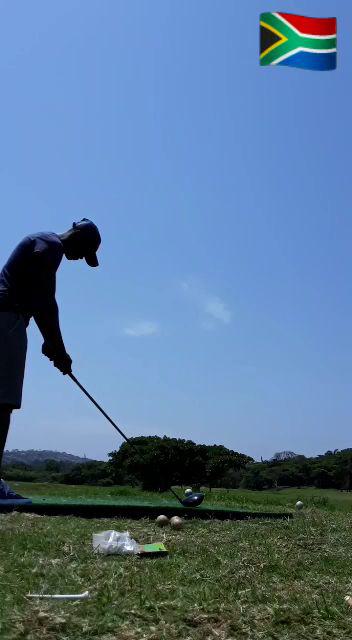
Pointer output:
x,y
63,363
61,359
48,351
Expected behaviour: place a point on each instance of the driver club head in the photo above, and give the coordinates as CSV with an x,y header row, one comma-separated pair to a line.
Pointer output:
x,y
194,500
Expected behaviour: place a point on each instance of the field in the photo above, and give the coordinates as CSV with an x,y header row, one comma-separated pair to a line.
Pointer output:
x,y
222,580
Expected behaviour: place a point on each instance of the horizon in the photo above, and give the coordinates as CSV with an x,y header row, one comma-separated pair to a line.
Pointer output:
x,y
83,456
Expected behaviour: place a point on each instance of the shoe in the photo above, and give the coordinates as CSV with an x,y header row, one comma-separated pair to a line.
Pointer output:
x,y
9,498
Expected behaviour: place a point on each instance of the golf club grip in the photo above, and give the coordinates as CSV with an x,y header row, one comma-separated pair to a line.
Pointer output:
x,y
101,410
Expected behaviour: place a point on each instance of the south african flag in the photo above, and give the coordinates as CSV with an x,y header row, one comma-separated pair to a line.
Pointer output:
x,y
297,41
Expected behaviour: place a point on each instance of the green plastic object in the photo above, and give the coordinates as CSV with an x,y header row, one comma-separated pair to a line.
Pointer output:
x,y
152,550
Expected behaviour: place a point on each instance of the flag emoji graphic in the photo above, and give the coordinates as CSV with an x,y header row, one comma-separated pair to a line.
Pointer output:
x,y
297,41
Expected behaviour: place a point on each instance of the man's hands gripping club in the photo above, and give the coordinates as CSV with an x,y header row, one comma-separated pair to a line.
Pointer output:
x,y
59,357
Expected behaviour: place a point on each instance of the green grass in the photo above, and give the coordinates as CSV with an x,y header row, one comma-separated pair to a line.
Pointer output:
x,y
254,580
329,499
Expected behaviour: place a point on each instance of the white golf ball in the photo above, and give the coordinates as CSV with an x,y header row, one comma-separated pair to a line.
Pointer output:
x,y
162,521
299,505
188,492
176,522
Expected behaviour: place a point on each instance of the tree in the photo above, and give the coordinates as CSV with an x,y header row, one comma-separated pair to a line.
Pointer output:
x,y
254,478
282,456
52,466
158,463
87,473
322,478
223,464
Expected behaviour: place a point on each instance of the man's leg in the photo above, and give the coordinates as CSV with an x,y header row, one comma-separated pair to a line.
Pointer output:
x,y
13,347
7,495
5,416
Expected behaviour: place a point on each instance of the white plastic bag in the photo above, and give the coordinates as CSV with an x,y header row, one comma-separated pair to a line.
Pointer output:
x,y
114,542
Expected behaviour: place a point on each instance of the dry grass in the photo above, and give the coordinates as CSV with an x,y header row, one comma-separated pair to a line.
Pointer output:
x,y
222,580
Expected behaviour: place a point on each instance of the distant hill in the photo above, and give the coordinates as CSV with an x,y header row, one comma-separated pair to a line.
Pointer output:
x,y
35,458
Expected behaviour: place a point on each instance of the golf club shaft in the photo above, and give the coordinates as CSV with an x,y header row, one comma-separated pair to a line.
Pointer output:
x,y
101,410
113,423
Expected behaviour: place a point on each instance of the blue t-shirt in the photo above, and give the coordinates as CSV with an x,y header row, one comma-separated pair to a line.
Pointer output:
x,y
28,279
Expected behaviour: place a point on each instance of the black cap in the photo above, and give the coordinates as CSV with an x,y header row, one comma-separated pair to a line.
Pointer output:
x,y
91,240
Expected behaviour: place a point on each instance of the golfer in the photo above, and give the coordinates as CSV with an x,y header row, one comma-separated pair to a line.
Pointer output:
x,y
27,290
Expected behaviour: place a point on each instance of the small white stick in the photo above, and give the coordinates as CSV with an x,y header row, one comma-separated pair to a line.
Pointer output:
x,y
78,596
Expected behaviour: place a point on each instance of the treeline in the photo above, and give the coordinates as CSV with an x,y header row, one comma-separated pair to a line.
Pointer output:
x,y
161,462
155,463
332,470
152,463
92,472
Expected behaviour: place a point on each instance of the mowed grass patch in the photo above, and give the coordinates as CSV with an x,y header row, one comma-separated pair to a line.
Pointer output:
x,y
255,580
274,500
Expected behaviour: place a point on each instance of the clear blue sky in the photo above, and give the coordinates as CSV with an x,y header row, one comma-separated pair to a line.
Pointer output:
x,y
222,310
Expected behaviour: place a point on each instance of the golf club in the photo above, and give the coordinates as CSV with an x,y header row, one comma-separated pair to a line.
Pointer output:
x,y
193,500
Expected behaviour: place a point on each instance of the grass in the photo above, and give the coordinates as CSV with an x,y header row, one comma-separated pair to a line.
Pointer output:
x,y
283,499
254,580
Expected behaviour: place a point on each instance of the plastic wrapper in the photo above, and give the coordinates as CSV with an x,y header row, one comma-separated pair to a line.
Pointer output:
x,y
115,542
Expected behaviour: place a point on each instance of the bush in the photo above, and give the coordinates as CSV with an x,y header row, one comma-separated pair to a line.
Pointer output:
x,y
106,482
20,475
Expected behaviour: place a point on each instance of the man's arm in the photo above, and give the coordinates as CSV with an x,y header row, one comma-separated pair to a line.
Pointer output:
x,y
47,321
46,316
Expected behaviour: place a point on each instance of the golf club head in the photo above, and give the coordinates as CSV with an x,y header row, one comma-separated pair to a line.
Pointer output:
x,y
194,500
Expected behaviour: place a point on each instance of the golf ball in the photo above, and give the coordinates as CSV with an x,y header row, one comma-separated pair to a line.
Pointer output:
x,y
188,492
176,522
162,521
299,505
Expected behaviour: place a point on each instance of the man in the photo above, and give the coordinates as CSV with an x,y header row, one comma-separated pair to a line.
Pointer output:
x,y
27,289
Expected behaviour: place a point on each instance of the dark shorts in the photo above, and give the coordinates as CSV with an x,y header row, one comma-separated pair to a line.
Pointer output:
x,y
13,349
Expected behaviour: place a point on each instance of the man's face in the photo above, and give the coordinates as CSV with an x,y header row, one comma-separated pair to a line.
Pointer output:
x,y
74,248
